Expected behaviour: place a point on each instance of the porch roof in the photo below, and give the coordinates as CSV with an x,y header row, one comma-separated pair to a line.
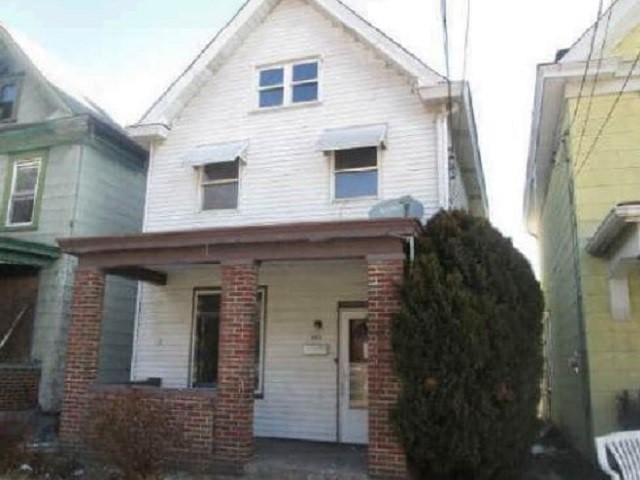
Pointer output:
x,y
21,252
132,255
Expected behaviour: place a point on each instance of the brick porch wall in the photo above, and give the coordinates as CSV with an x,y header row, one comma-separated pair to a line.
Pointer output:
x,y
190,413
385,454
18,387
236,369
81,369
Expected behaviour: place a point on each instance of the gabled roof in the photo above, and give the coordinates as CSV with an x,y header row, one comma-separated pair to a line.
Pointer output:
x,y
58,85
252,13
551,82
625,15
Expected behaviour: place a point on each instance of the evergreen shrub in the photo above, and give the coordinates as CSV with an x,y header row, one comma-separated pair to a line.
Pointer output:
x,y
468,351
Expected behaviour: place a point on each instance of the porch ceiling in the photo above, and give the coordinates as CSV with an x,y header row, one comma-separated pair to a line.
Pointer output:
x,y
131,255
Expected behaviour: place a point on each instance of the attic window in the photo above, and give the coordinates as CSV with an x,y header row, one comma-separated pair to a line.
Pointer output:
x,y
8,100
288,84
4,66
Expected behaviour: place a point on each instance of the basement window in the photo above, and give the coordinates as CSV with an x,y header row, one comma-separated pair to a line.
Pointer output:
x,y
356,173
206,337
25,182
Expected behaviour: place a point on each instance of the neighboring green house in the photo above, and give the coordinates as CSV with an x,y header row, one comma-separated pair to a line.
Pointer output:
x,y
582,202
66,169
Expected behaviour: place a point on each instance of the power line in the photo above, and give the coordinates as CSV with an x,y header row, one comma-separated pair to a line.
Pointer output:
x,y
466,42
609,114
586,66
595,82
445,32
455,193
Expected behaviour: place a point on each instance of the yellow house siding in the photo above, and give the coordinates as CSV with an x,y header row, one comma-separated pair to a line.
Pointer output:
x,y
609,176
568,398
628,47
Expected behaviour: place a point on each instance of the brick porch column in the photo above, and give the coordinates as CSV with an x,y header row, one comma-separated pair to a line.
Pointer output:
x,y
234,399
385,454
81,367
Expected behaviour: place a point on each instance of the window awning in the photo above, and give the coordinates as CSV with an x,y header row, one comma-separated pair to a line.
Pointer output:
x,y
216,153
353,137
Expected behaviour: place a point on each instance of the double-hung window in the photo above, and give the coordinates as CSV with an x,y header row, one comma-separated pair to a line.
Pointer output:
x,y
356,173
23,195
206,336
219,182
304,82
271,87
289,84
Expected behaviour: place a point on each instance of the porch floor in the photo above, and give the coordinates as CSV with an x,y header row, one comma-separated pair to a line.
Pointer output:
x,y
298,460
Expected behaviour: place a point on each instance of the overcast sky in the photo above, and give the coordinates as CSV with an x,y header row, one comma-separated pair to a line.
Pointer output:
x,y
127,51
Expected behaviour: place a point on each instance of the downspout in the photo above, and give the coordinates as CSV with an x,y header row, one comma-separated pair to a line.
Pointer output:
x,y
139,287
584,355
442,132
76,193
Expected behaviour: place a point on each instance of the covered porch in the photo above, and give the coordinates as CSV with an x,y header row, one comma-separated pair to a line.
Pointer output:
x,y
272,331
20,265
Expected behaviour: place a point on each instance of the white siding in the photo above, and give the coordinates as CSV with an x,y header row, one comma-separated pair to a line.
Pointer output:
x,y
286,179
299,392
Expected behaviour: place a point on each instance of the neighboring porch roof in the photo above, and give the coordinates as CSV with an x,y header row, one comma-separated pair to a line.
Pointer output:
x,y
20,252
130,255
617,240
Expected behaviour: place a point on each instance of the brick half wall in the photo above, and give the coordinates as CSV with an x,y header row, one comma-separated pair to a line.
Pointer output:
x,y
18,387
190,413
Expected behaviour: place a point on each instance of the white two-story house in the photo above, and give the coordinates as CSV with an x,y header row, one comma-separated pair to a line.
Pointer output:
x,y
291,164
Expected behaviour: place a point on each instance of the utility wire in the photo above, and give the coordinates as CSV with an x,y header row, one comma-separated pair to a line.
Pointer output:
x,y
586,66
445,33
595,83
609,114
455,193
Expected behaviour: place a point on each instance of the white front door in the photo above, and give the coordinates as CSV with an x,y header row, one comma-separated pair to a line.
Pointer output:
x,y
352,377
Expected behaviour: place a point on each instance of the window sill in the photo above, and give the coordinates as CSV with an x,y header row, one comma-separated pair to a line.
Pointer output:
x,y
280,108
219,211
341,201
18,228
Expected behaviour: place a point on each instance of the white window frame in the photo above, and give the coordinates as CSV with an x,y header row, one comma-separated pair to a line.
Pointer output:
x,y
259,391
262,291
295,83
29,163
361,169
288,83
282,85
202,183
